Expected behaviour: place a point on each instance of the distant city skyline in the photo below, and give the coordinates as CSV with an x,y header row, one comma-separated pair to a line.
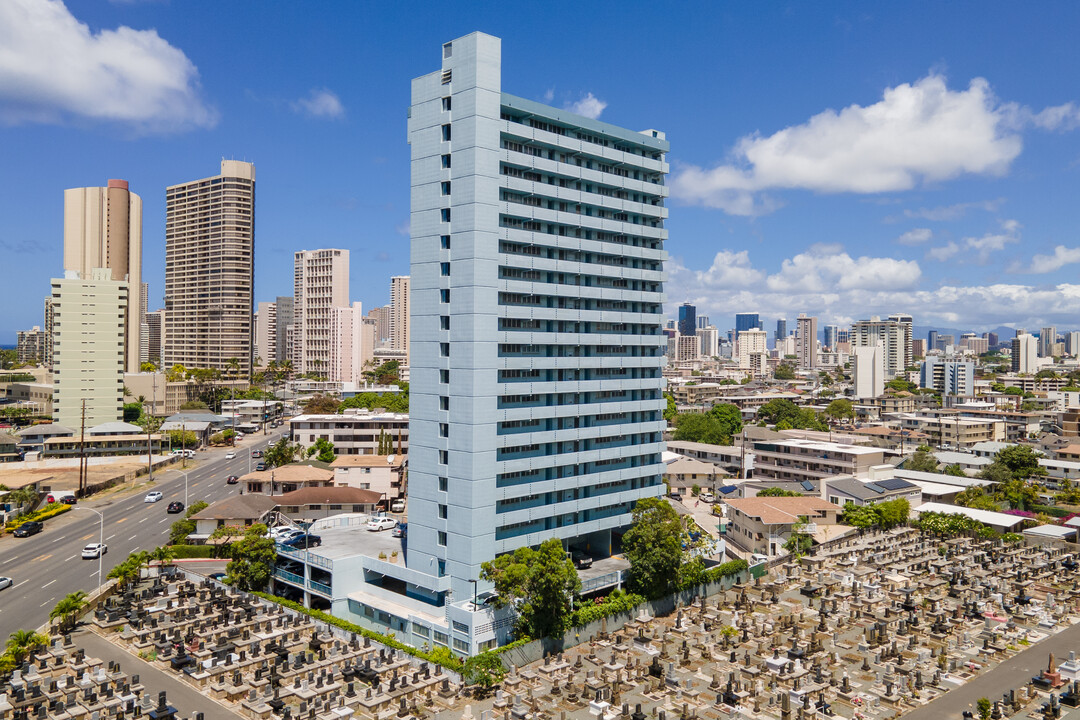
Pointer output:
x,y
974,237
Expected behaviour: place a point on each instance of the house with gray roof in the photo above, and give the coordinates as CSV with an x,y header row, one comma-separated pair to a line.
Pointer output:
x,y
842,489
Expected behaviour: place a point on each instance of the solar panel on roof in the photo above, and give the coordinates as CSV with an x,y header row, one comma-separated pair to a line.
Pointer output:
x,y
874,486
893,484
807,485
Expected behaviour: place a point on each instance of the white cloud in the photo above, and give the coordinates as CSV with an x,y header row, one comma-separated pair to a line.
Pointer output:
x,y
975,307
1049,263
827,267
52,68
916,236
1060,117
728,269
590,106
953,212
320,103
549,95
922,132
978,249
944,252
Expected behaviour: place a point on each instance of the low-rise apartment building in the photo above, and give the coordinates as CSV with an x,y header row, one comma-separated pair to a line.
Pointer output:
x,y
842,490
383,474
764,524
353,433
955,431
813,459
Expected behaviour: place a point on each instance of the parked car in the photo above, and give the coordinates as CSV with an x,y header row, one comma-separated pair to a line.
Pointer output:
x,y
401,530
581,560
33,527
175,507
376,524
219,576
190,454
232,480
152,497
230,455
94,550
281,533
260,466
758,558
5,582
397,506
707,497
675,496
303,540
68,499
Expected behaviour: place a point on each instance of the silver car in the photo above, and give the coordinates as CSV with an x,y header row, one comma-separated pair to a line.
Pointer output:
x,y
5,582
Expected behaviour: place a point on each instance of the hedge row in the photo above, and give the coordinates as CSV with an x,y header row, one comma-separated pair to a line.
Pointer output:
x,y
39,515
1051,510
192,551
440,656
614,604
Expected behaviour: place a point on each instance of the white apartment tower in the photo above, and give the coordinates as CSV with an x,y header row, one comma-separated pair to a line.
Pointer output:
x,y
1047,341
536,388
1025,353
806,348
210,270
749,343
868,371
893,336
88,353
103,229
266,333
399,314
320,284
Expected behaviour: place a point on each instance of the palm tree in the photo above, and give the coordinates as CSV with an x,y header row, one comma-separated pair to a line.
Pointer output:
x,y
164,555
23,642
69,608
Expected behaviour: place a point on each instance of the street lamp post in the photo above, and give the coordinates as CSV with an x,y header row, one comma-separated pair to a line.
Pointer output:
x,y
473,594
101,538
185,474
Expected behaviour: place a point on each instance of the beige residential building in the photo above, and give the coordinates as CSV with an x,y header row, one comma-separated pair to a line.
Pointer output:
x,y
764,524
266,333
352,433
955,431
320,284
380,316
30,346
155,331
384,474
88,347
813,459
399,315
103,229
209,270
892,336
749,343
352,344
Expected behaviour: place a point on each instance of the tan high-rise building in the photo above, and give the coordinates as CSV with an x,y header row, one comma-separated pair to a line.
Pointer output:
x,y
399,314
806,342
266,333
209,270
380,316
103,229
320,284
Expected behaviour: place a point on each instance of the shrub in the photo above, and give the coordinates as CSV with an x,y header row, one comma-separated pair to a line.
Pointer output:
x,y
695,490
192,551
44,514
615,603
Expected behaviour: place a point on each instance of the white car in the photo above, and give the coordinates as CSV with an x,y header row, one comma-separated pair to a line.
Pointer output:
x,y
376,524
230,455
283,533
707,497
152,496
5,582
94,550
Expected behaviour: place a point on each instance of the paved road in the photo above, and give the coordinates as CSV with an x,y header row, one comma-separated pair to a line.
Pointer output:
x,y
1010,674
48,566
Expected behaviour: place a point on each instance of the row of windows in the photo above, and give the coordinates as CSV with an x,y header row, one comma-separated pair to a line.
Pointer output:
x,y
537,149
579,134
572,303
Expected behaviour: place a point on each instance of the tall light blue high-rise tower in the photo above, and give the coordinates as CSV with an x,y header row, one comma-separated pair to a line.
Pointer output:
x,y
536,350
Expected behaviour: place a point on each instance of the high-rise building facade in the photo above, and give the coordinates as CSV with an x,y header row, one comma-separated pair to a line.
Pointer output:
x,y
399,314
103,229
931,340
320,284
30,346
907,323
350,346
210,270
1025,353
891,335
806,342
868,371
48,329
687,319
748,343
283,309
380,316
536,387
830,337
746,321
265,333
1047,340
991,340
781,331
1072,342
710,341
155,328
949,377
703,322
88,353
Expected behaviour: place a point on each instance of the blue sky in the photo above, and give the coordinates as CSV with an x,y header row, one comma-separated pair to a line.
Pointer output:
x,y
839,159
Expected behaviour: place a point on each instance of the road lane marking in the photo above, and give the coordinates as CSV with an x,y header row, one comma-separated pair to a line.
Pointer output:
x,y
50,582
18,584
133,537
123,519
87,537
47,602
144,520
9,560
42,558
71,558
165,519
111,536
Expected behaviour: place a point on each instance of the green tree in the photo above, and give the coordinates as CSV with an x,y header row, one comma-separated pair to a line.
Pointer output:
x,y
1017,493
183,439
147,367
859,516
901,385
68,608
985,708
699,427
322,405
1021,460
653,545
976,498
799,542
130,570
180,529
922,460
671,410
253,558
22,642
783,371
730,418
323,450
778,492
163,555
840,409
540,583
484,670
132,411
892,513
955,470
280,453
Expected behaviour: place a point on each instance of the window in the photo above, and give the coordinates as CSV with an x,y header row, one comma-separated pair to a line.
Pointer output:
x,y
444,214
444,241
446,161
444,296
444,268
444,429
446,104
461,645
445,187
446,132
444,457
443,484
442,538
444,349
444,376
441,637
444,322
444,403
447,51
442,512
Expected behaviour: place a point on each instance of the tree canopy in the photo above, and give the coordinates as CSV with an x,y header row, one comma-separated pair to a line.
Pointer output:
x,y
280,453
322,405
786,415
840,409
784,371
393,402
653,545
323,450
541,584
778,492
922,460
253,558
716,427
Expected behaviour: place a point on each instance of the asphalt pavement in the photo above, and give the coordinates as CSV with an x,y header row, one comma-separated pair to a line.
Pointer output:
x,y
47,566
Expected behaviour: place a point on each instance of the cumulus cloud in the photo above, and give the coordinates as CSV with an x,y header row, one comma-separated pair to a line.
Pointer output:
x,y
977,307
915,237
590,106
320,103
978,249
549,95
944,252
728,269
53,68
1050,263
917,133
827,267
